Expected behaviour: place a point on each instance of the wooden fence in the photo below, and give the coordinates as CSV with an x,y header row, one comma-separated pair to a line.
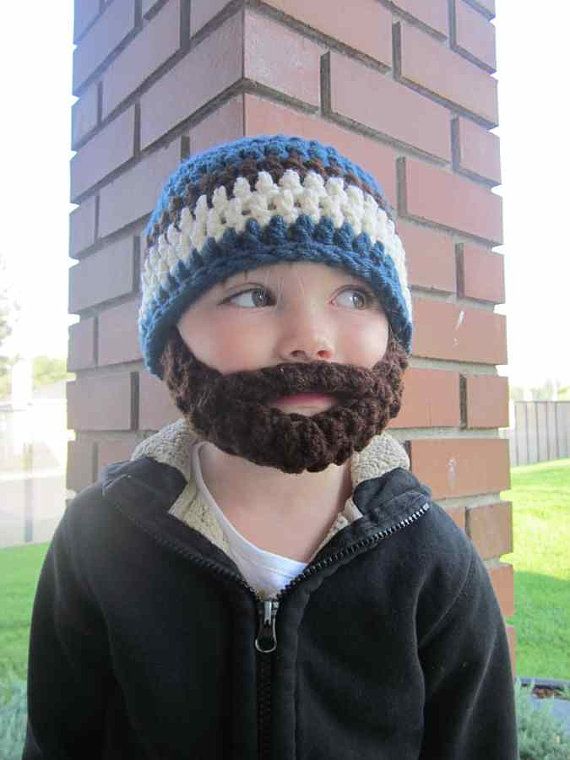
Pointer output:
x,y
539,432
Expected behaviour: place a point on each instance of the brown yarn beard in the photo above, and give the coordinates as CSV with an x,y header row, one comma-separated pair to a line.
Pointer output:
x,y
234,411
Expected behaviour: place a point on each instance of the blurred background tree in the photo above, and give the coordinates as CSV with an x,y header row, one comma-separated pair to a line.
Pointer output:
x,y
45,369
551,390
8,310
49,369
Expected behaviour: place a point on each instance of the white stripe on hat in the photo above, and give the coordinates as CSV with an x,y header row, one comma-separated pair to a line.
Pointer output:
x,y
292,196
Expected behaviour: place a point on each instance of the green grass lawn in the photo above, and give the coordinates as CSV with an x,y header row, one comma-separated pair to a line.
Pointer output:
x,y
19,571
541,514
540,494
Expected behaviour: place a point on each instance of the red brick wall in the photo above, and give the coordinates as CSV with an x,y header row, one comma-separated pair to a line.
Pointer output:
x,y
403,87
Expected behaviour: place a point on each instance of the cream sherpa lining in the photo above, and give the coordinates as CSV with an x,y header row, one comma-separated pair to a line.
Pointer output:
x,y
172,445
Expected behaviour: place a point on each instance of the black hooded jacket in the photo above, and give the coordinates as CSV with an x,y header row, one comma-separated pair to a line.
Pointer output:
x,y
148,643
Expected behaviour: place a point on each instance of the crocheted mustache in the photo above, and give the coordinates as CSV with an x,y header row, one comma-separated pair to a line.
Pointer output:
x,y
234,411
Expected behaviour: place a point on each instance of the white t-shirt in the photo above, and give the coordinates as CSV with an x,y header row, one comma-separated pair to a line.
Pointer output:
x,y
266,572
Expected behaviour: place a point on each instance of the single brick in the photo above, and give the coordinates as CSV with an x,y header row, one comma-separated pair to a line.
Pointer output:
x,y
224,124
448,331
490,528
106,34
102,276
483,274
118,336
365,26
171,100
81,354
430,399
154,45
461,466
156,407
84,115
265,116
100,403
487,401
452,201
80,472
478,151
85,12
134,193
457,514
82,227
503,586
278,57
474,34
433,14
106,151
202,11
431,65
114,450
430,257
374,100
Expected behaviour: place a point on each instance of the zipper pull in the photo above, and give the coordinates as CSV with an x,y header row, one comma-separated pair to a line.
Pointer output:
x,y
266,640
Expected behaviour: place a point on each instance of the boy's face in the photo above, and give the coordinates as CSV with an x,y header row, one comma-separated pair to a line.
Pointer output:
x,y
287,312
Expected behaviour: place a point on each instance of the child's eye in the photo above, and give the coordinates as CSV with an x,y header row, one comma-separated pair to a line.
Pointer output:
x,y
257,297
359,298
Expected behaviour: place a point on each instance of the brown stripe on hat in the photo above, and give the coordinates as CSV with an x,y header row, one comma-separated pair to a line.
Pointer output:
x,y
250,168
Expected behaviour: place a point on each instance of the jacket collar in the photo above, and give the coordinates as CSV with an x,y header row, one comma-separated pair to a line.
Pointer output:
x,y
162,465
172,446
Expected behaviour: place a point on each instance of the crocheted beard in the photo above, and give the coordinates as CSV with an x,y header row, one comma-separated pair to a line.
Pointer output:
x,y
234,411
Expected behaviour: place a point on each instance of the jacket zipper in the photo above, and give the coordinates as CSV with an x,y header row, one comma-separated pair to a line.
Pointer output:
x,y
266,639
266,644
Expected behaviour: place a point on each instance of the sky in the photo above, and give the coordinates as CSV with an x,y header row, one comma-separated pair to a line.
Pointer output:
x,y
532,71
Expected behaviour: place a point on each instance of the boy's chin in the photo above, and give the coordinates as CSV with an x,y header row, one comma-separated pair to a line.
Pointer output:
x,y
294,441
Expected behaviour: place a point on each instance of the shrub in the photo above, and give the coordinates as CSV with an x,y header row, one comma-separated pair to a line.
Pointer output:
x,y
541,735
12,718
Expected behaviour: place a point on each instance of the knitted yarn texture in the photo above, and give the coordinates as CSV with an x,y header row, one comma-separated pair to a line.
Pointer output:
x,y
263,200
234,411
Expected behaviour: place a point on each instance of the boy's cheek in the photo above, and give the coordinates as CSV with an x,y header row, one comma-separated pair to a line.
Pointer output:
x,y
232,351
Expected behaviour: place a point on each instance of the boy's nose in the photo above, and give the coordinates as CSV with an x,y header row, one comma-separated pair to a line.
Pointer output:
x,y
304,337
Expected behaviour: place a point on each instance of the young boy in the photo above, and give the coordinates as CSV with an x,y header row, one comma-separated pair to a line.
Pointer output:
x,y
266,578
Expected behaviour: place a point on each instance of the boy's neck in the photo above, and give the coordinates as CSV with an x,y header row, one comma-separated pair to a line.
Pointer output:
x,y
267,496
251,483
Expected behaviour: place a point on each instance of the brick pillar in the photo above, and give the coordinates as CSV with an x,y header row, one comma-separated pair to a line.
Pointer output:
x,y
404,88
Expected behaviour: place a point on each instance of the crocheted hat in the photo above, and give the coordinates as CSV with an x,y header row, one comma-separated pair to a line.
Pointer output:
x,y
259,201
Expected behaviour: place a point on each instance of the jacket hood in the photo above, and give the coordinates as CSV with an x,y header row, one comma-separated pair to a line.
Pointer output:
x,y
172,448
